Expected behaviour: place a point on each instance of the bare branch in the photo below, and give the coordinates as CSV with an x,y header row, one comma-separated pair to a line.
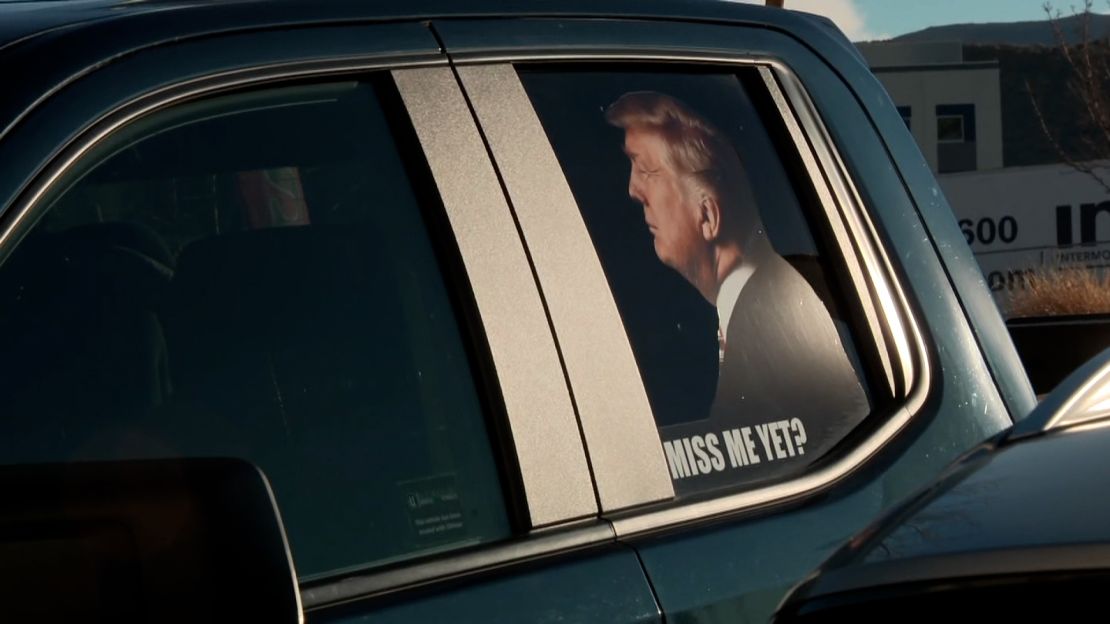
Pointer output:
x,y
1060,151
1088,65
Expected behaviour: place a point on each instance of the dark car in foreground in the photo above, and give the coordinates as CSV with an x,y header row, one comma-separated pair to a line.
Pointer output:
x,y
1019,528
611,312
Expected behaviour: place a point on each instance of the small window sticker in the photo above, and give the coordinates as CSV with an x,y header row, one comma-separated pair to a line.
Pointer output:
x,y
434,510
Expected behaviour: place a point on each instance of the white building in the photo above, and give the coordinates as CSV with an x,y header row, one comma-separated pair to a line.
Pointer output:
x,y
952,107
1019,221
1028,220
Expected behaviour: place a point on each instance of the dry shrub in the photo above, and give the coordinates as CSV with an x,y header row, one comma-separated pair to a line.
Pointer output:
x,y
1060,292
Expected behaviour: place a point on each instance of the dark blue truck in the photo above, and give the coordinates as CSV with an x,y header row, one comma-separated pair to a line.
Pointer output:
x,y
424,311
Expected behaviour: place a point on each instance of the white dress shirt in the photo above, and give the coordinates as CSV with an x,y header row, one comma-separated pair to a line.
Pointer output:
x,y
729,293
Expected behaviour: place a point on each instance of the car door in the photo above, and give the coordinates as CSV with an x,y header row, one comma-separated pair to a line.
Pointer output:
x,y
290,246
871,377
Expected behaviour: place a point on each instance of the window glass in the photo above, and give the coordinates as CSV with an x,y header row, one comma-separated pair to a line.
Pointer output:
x,y
950,128
956,122
742,341
957,149
252,276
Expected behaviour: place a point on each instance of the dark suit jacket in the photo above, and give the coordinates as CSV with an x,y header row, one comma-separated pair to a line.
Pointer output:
x,y
784,359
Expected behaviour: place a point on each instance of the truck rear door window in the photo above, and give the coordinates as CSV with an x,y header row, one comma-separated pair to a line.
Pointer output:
x,y
730,297
253,276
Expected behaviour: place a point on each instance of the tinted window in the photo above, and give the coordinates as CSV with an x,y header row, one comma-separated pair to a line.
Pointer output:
x,y
727,296
252,276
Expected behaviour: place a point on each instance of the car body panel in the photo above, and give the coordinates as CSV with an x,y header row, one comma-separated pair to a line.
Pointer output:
x,y
742,568
607,586
1019,517
998,519
960,377
74,68
100,31
1010,498
344,50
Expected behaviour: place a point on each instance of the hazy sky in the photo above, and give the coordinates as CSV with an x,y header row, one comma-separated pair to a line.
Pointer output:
x,y
879,19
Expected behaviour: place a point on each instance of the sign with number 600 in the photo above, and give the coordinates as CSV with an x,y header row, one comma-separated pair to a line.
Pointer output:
x,y
987,231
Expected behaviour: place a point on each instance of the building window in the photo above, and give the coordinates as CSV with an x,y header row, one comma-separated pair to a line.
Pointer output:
x,y
956,146
950,129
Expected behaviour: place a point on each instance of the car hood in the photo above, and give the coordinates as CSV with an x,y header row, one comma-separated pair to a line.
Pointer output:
x,y
1022,506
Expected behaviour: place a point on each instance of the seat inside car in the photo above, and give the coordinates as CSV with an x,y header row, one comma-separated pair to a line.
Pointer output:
x,y
80,315
286,348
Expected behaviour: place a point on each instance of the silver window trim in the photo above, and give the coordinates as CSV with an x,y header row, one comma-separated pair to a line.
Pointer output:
x,y
558,483
900,326
16,217
611,403
896,333
534,546
568,531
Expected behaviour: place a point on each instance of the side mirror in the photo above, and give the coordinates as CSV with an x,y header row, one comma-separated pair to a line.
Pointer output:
x,y
191,540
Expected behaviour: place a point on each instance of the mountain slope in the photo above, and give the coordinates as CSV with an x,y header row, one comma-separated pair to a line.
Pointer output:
x,y
1014,33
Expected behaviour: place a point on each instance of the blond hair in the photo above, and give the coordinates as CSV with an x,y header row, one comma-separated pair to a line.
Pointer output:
x,y
695,147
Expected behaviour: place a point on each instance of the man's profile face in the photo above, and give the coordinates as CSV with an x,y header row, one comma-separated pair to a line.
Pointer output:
x,y
669,208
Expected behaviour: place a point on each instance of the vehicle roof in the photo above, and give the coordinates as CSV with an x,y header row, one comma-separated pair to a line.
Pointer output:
x,y
45,45
20,21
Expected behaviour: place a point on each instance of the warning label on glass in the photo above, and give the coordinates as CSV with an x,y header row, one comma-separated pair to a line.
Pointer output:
x,y
435,512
